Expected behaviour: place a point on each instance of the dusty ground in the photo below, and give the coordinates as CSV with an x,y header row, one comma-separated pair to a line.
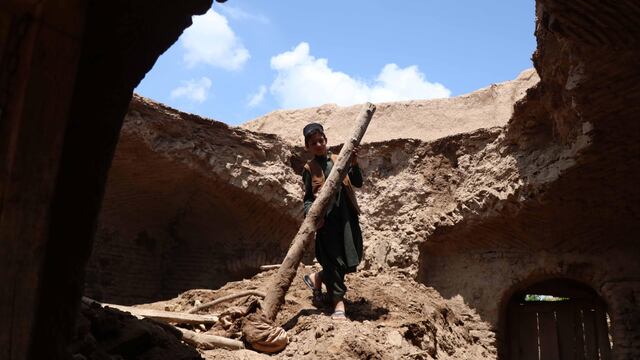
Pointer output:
x,y
390,317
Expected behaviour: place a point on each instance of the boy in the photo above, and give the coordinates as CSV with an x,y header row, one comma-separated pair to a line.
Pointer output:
x,y
338,237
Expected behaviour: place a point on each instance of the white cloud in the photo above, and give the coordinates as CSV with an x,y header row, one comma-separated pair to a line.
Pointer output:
x,y
256,99
304,81
194,90
238,14
211,41
395,84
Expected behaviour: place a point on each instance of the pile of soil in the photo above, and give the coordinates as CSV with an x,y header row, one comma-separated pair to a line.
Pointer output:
x,y
390,317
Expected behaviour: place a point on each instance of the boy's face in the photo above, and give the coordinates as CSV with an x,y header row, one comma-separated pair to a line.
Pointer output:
x,y
317,144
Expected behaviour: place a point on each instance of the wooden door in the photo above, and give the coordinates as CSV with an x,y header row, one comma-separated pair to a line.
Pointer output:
x,y
573,329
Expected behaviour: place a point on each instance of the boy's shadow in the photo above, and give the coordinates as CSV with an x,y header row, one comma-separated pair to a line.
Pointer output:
x,y
294,320
357,310
361,309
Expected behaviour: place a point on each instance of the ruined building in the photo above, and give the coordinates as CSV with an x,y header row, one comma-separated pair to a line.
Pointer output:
x,y
524,187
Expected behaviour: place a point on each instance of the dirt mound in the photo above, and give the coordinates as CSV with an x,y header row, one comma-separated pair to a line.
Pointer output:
x,y
417,119
391,317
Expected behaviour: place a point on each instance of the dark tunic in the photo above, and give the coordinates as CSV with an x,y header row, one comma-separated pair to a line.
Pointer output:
x,y
339,241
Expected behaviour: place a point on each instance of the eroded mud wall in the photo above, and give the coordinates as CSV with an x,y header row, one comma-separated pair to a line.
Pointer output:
x,y
177,214
574,163
550,194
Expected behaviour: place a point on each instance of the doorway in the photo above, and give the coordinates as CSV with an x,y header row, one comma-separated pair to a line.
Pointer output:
x,y
558,320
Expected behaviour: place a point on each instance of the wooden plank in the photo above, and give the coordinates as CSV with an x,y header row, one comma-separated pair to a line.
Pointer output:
x,y
528,336
548,336
567,345
602,328
590,335
578,329
160,315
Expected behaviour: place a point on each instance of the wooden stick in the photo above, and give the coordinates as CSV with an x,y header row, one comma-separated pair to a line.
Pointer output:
x,y
281,281
276,266
227,298
207,341
269,267
203,341
160,315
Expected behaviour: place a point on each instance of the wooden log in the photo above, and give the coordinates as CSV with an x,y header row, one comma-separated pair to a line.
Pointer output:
x,y
281,281
215,302
160,315
207,341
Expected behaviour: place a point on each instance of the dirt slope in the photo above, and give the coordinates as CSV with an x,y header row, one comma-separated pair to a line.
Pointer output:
x,y
392,317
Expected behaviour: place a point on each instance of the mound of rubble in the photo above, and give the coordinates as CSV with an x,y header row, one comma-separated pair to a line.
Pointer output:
x,y
392,317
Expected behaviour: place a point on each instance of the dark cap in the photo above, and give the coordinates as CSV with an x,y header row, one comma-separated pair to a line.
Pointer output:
x,y
312,128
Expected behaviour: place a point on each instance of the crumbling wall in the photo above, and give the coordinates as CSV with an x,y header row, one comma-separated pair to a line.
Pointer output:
x,y
178,213
573,142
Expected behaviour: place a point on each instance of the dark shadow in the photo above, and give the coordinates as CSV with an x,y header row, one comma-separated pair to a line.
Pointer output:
x,y
294,320
361,309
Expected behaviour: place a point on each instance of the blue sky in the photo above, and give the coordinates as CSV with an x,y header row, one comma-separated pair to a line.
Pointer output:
x,y
245,58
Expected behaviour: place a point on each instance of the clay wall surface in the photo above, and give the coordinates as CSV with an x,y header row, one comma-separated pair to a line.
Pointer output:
x,y
177,212
574,139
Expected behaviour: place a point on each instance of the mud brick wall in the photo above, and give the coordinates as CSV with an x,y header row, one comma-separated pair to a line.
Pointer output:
x,y
165,228
623,298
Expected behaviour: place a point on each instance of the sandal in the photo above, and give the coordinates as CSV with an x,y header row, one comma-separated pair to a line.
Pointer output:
x,y
338,315
307,281
318,299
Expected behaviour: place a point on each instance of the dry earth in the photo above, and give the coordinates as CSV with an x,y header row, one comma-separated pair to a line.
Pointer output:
x,y
391,317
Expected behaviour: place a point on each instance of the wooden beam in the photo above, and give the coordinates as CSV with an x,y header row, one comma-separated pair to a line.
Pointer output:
x,y
160,315
207,341
257,293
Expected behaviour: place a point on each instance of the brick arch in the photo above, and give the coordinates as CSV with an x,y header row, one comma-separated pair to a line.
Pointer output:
x,y
575,326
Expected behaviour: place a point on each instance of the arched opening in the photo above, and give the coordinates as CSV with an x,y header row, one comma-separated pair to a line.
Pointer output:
x,y
557,319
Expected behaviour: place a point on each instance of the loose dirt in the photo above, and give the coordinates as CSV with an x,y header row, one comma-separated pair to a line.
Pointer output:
x,y
390,317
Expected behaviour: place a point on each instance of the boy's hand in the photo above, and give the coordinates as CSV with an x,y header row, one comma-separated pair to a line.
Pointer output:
x,y
354,155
